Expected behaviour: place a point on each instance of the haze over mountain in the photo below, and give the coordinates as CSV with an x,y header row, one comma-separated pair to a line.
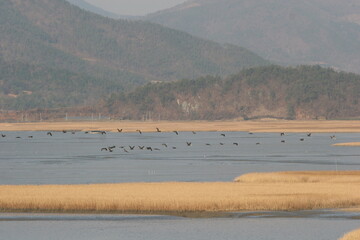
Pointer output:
x,y
55,36
286,31
91,8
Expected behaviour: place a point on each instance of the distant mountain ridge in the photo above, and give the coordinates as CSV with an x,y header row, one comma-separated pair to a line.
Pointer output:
x,y
325,32
91,8
56,36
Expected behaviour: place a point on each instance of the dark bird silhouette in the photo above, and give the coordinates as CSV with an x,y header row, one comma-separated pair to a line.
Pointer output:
x,y
257,143
282,134
156,149
138,130
173,147
165,145
333,137
158,130
119,130
104,149
188,143
149,148
64,131
86,132
112,147
221,143
282,141
141,147
236,144
126,150
131,147
3,135
309,134
49,133
18,137
207,144
30,136
222,134
96,131
301,139
250,133
193,132
122,147
176,132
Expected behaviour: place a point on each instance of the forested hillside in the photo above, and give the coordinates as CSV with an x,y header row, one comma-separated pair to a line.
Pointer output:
x,y
24,86
56,36
325,32
304,92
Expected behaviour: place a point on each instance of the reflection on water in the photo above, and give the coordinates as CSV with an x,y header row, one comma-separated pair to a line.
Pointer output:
x,y
77,158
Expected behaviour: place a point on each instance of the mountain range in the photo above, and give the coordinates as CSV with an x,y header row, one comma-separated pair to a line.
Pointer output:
x,y
325,32
51,36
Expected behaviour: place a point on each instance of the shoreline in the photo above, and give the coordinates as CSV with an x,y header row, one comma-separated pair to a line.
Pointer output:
x,y
294,126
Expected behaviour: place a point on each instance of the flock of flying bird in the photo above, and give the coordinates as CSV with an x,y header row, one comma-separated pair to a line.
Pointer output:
x,y
126,150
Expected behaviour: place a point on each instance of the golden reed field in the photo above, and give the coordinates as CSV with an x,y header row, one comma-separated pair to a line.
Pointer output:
x,y
286,191
355,235
131,126
351,144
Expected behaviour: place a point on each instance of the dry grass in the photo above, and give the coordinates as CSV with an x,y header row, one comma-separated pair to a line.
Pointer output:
x,y
355,235
176,197
351,144
301,177
130,126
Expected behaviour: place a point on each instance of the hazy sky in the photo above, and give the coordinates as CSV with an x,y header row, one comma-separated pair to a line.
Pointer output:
x,y
134,7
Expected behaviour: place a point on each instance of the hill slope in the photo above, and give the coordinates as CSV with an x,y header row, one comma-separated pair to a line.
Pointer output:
x,y
56,35
304,92
286,31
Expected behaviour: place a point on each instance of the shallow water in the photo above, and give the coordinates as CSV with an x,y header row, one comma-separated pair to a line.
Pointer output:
x,y
77,158
83,227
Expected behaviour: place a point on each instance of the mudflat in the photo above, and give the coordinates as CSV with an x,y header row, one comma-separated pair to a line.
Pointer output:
x,y
168,126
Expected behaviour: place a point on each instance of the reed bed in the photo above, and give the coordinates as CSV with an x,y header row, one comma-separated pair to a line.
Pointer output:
x,y
301,177
355,235
181,197
350,144
168,126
